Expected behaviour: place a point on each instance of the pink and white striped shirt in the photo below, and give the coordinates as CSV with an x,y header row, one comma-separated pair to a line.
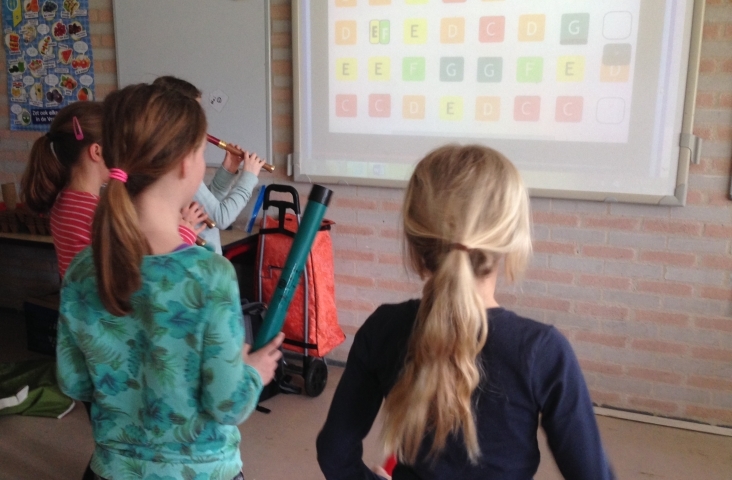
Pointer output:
x,y
71,225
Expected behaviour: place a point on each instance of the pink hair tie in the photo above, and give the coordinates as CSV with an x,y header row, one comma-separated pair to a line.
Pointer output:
x,y
118,174
78,132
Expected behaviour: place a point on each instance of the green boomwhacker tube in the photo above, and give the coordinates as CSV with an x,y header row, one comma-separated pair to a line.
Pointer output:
x,y
274,320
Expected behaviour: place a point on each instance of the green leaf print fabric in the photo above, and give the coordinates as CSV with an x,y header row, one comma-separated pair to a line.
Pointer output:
x,y
167,383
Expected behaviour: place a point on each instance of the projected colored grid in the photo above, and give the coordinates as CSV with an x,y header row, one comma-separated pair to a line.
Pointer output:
x,y
559,70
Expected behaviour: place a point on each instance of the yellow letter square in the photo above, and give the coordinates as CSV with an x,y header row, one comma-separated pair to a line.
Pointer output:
x,y
379,69
571,69
347,69
415,31
451,108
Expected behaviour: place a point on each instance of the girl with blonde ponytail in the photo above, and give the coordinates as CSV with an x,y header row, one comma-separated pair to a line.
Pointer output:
x,y
462,380
150,328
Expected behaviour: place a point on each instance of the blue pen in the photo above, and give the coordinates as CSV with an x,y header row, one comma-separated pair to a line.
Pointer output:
x,y
257,206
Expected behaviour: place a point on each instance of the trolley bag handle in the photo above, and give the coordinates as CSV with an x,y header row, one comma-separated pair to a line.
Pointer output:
x,y
282,207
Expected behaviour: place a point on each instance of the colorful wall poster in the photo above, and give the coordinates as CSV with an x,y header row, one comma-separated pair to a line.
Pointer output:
x,y
560,70
49,59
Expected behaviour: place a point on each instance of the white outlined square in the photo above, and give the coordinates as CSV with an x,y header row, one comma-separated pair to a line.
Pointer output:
x,y
617,25
611,110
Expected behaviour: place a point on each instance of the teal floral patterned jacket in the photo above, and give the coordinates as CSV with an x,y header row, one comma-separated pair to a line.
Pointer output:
x,y
167,383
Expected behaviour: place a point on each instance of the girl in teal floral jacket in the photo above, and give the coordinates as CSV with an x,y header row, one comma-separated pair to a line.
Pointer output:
x,y
150,329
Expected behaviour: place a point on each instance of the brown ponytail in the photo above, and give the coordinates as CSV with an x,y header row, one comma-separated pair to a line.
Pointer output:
x,y
54,155
148,130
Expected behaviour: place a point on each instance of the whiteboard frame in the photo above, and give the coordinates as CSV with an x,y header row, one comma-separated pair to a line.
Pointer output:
x,y
686,155
269,140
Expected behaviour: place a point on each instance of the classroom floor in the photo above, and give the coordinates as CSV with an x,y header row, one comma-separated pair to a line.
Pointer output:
x,y
281,445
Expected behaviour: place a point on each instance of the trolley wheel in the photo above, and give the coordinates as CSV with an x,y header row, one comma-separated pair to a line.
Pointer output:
x,y
316,376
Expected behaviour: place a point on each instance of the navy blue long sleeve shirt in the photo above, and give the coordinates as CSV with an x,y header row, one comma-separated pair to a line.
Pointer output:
x,y
532,375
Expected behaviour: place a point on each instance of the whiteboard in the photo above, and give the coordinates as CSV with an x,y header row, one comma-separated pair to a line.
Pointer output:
x,y
588,99
220,46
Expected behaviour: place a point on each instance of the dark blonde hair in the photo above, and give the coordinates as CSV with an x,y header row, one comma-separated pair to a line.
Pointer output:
x,y
148,130
465,209
55,154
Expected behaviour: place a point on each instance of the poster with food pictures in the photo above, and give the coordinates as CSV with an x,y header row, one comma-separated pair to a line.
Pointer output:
x,y
49,59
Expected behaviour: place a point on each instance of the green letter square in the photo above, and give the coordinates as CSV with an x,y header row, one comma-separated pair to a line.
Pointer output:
x,y
529,69
575,29
490,69
413,69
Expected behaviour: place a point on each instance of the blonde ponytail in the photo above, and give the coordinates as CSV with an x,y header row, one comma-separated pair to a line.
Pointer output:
x,y
465,209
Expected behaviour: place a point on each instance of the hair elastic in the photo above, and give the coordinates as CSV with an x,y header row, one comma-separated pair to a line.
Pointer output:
x,y
118,174
78,133
458,246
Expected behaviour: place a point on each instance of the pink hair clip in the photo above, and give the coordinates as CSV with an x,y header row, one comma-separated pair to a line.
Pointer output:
x,y
78,133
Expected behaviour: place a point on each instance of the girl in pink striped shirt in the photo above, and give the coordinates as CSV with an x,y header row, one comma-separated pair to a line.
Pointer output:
x,y
65,174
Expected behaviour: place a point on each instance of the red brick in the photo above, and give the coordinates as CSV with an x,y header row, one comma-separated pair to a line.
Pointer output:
x,y
356,281
712,31
358,203
723,416
544,303
354,255
665,288
718,231
395,285
709,383
600,251
600,367
662,318
282,95
652,405
672,227
716,293
704,131
658,346
390,259
353,230
720,324
282,67
550,276
555,219
717,262
282,121
390,206
281,40
707,65
668,258
554,247
715,354
104,16
601,339
604,398
725,100
281,12
615,223
355,305
724,132
654,375
604,311
390,233
616,283
726,66
705,99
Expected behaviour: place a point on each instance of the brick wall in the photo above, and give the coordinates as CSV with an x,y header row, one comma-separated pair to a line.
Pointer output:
x,y
643,293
